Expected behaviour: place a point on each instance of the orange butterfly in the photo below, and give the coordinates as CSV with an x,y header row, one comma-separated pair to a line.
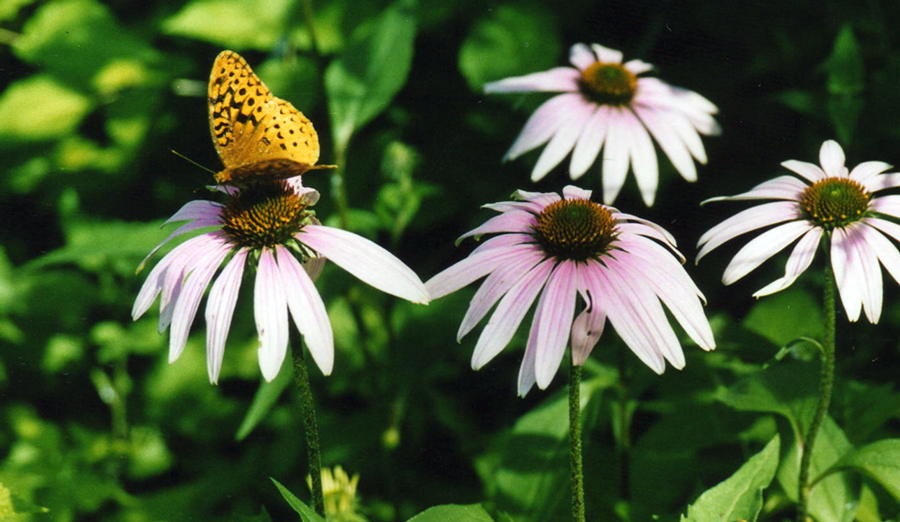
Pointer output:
x,y
258,136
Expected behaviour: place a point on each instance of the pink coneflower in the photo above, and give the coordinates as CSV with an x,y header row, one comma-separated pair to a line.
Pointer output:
x,y
621,266
829,201
606,105
269,227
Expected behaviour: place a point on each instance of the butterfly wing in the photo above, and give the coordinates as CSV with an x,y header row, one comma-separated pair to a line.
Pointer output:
x,y
248,124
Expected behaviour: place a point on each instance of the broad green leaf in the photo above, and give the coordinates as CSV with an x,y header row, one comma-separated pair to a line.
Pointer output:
x,y
10,8
296,80
833,498
373,68
785,316
740,496
80,40
511,40
787,388
40,108
846,71
241,24
12,504
879,461
453,513
843,113
306,514
869,406
266,397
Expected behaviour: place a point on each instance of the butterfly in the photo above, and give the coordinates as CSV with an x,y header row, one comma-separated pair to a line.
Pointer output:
x,y
258,136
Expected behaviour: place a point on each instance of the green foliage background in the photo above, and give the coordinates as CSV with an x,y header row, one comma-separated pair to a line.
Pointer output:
x,y
95,425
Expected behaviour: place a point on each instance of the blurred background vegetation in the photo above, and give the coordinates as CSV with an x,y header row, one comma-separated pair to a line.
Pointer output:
x,y
95,425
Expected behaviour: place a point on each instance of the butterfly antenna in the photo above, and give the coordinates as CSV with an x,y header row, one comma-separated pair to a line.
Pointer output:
x,y
192,162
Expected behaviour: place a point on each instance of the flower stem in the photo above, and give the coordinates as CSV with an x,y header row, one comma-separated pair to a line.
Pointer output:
x,y
826,383
314,455
622,426
575,441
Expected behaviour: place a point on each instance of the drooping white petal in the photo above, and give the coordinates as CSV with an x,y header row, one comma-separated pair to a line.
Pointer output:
x,y
219,311
831,156
638,67
842,261
512,221
544,123
589,143
554,323
153,284
558,79
885,250
307,309
810,171
573,192
800,259
867,271
541,198
367,261
472,268
887,205
782,187
762,248
270,311
586,330
867,171
607,55
669,141
563,141
580,56
643,158
745,221
615,157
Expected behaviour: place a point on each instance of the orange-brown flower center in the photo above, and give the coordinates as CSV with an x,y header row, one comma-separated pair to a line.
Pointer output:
x,y
835,202
575,229
608,83
264,215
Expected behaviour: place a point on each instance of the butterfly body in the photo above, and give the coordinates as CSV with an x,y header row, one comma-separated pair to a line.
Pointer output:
x,y
258,136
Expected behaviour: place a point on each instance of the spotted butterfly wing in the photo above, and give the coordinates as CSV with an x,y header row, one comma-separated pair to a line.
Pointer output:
x,y
257,135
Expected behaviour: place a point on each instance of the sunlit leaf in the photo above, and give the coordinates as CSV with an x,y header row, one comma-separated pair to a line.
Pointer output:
x,y
473,513
879,461
241,24
40,108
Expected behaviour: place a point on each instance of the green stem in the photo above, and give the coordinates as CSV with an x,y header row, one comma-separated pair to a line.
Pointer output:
x,y
314,454
826,383
575,441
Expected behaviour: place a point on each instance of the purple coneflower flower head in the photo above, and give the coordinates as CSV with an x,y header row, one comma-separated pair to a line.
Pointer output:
x,y
267,226
607,105
829,202
623,267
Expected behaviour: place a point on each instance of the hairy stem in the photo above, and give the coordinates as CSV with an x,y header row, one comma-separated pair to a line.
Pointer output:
x,y
575,441
310,426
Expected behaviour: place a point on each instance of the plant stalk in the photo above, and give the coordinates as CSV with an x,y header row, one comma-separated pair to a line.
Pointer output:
x,y
826,383
575,441
310,426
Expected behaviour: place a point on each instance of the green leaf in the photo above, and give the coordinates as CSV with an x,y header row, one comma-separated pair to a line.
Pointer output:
x,y
512,40
832,498
306,514
12,504
879,461
846,71
266,397
453,513
241,24
40,108
785,316
740,496
263,516
370,72
843,113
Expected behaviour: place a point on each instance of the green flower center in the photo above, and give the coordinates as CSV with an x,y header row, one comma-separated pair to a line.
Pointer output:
x,y
264,215
575,229
608,83
834,202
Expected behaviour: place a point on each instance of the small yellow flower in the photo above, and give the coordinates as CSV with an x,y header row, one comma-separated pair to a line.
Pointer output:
x,y
340,495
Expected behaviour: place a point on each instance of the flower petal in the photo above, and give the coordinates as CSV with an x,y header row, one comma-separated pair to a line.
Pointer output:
x,y
889,205
365,260
589,143
573,192
867,171
810,171
638,67
581,56
219,311
307,309
554,323
558,79
512,221
885,250
563,141
831,156
607,55
615,157
800,259
643,158
762,248
746,221
270,311
867,271
782,187
846,274
472,268
669,141
544,123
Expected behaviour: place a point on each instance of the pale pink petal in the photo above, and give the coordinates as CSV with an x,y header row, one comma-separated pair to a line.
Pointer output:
x,y
607,55
643,158
885,250
642,230
867,271
188,301
554,323
762,248
669,141
154,282
831,156
558,79
513,221
589,143
183,229
541,198
888,227
638,67
563,141
197,209
800,259
810,171
573,192
882,182
506,206
509,314
313,266
367,261
746,221
624,318
203,247
782,187
586,331
581,56
615,156
472,268
686,133
842,260
219,311
544,123
656,230
495,286
867,171
527,377
502,241
271,313
889,205
307,309
661,258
